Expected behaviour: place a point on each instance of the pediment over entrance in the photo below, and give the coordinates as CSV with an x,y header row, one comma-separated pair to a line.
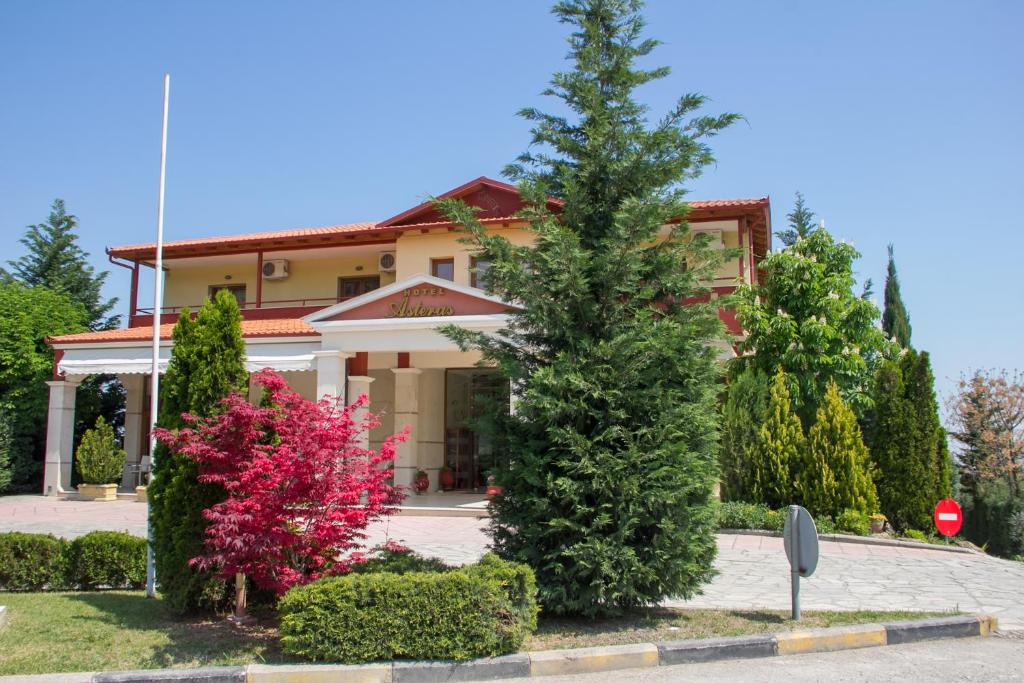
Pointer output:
x,y
492,199
421,296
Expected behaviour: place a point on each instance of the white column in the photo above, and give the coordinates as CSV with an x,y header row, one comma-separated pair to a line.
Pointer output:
x,y
358,385
134,430
330,373
60,435
407,413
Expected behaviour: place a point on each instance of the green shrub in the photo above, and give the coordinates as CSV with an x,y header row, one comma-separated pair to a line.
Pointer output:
x,y
98,459
31,561
853,522
915,535
399,562
738,515
775,520
825,524
482,610
107,559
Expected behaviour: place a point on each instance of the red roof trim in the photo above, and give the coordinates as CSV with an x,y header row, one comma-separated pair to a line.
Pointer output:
x,y
278,327
465,188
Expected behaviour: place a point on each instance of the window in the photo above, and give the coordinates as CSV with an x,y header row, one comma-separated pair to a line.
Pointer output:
x,y
478,272
238,291
349,287
443,268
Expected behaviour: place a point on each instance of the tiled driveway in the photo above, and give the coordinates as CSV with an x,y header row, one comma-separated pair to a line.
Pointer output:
x,y
752,569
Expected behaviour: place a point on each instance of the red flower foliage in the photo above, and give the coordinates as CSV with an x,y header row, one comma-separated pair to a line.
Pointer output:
x,y
300,489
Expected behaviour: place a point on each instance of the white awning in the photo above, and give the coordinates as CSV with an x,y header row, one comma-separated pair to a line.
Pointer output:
x,y
135,360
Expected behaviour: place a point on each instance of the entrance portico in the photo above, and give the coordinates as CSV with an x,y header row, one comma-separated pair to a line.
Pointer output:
x,y
384,343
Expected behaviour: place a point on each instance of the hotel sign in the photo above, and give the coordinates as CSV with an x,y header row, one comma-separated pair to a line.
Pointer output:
x,y
421,302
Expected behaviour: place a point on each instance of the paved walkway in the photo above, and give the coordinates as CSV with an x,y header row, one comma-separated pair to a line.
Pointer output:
x,y
752,569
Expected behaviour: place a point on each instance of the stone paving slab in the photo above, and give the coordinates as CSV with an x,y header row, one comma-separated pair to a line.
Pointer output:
x,y
753,572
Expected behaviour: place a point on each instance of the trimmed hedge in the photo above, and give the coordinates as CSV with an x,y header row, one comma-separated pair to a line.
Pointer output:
x,y
400,562
100,559
482,610
32,562
106,559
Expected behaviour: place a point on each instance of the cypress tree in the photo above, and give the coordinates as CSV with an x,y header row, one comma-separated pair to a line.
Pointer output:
x,y
837,472
908,444
207,363
895,319
744,408
780,449
612,444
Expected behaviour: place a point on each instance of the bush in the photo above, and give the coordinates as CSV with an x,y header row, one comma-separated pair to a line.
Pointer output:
x,y
98,459
775,520
825,524
737,515
399,562
482,610
31,561
106,559
916,535
854,522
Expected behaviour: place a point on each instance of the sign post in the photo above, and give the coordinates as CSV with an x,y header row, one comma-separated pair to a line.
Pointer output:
x,y
948,517
801,541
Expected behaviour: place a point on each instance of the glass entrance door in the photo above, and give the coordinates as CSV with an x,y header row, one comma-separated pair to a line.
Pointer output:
x,y
468,449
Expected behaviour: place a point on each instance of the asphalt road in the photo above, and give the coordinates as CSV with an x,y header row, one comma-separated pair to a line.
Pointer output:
x,y
998,658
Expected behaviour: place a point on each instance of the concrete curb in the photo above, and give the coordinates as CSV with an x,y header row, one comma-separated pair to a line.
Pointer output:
x,y
562,662
3,616
860,540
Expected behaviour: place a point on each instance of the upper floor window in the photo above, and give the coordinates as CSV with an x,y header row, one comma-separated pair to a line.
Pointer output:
x,y
478,272
238,291
349,287
443,268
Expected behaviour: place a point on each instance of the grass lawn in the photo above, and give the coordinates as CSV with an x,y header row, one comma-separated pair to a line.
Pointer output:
x,y
119,630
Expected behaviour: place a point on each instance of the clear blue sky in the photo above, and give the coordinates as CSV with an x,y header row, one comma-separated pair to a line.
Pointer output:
x,y
900,122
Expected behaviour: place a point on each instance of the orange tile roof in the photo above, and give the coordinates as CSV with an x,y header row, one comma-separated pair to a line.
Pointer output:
x,y
284,327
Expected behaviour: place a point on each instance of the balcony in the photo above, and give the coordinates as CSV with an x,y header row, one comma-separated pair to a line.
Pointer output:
x,y
266,310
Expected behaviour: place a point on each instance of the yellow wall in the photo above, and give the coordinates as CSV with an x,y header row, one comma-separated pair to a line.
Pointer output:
x,y
317,278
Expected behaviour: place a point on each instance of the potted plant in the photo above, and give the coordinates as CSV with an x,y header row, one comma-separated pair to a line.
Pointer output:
x,y
99,463
447,478
492,486
422,481
877,521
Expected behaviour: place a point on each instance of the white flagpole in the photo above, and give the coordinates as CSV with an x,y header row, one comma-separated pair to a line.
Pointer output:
x,y
158,302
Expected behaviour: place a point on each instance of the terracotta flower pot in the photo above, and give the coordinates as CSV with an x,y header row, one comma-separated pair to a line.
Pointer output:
x,y
421,483
447,480
493,490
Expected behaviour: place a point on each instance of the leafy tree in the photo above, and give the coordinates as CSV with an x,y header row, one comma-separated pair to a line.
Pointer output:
x,y
780,449
207,363
300,488
55,261
801,223
837,473
27,316
743,410
895,319
803,317
612,442
986,416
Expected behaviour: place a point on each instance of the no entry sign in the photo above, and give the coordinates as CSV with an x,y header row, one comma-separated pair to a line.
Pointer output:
x,y
948,517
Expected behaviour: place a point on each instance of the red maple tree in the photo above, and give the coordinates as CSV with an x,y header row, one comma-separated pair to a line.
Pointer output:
x,y
300,488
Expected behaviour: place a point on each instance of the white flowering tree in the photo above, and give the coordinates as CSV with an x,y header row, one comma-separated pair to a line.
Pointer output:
x,y
805,318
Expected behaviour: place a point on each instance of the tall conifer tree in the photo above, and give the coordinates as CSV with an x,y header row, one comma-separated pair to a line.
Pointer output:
x,y
55,260
612,442
207,363
837,473
895,319
801,223
780,449
744,408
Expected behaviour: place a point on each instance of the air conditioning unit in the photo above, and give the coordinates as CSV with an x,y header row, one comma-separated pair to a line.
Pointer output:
x,y
276,269
716,238
386,262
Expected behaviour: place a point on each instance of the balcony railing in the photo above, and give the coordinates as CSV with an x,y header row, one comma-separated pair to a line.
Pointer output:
x,y
276,308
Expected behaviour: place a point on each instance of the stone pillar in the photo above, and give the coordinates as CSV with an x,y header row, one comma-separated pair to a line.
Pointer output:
x,y
407,412
60,435
330,373
358,385
135,433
